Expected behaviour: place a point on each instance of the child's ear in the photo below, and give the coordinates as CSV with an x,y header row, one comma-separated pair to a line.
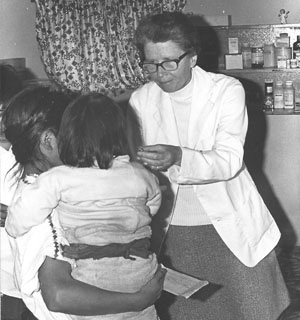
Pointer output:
x,y
194,60
47,141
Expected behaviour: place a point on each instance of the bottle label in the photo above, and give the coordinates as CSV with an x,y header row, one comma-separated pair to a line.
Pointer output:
x,y
278,101
246,55
295,51
297,57
257,58
289,99
281,62
293,63
269,89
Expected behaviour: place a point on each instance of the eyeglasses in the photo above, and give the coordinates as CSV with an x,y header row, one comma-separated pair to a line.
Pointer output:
x,y
168,65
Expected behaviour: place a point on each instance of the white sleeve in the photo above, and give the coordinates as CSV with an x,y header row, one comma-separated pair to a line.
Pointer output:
x,y
31,250
32,204
219,157
8,175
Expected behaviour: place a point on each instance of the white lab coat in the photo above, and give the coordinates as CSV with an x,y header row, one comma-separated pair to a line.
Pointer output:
x,y
212,161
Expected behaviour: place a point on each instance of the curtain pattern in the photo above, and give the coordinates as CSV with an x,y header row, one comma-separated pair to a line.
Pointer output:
x,y
87,45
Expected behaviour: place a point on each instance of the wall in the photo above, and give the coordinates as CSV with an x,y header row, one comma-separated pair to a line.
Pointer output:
x,y
281,166
247,12
17,34
272,157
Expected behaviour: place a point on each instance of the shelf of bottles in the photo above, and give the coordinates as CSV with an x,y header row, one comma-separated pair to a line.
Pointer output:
x,y
254,84
279,38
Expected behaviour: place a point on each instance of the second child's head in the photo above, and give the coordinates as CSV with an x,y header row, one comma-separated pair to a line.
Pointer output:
x,y
93,131
31,121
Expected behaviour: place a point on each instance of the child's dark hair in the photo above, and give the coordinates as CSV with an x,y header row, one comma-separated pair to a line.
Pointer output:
x,y
93,130
28,115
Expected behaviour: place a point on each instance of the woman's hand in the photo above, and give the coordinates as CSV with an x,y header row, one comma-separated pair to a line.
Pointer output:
x,y
151,291
160,156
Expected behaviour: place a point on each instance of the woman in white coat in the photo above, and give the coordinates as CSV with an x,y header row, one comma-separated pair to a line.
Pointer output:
x,y
193,127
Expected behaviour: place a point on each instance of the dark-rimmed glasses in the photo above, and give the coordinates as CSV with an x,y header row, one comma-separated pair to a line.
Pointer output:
x,y
168,65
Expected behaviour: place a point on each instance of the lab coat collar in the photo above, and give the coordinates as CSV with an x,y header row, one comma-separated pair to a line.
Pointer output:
x,y
202,104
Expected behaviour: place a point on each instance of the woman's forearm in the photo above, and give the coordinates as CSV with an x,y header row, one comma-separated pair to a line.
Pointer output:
x,y
64,294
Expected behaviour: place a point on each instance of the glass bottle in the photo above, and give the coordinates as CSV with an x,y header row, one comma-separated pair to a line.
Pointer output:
x,y
289,95
278,95
268,101
269,55
246,55
257,57
296,47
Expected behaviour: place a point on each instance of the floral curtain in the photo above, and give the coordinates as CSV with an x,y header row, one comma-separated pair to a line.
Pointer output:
x,y
87,45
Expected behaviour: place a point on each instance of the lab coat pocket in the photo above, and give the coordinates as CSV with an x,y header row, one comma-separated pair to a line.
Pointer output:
x,y
254,217
205,144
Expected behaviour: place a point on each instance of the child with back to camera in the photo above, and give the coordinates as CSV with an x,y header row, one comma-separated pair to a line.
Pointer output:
x,y
104,202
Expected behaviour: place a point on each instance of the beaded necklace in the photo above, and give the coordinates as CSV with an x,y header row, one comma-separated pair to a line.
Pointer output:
x,y
54,236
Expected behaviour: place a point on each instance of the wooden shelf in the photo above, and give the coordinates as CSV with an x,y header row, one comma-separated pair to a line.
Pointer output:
x,y
261,26
262,70
275,112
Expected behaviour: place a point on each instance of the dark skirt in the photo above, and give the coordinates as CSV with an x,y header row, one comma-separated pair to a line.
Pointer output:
x,y
235,292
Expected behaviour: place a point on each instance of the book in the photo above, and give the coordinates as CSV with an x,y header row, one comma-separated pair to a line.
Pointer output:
x,y
181,284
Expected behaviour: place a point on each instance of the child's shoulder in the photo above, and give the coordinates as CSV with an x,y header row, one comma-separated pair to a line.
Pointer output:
x,y
139,168
57,173
142,171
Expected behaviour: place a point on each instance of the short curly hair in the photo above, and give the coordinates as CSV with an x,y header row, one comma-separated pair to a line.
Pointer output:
x,y
166,26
